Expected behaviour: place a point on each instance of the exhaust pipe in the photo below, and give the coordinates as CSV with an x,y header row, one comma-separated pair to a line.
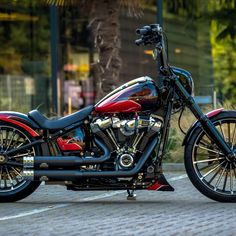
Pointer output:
x,y
52,162
72,175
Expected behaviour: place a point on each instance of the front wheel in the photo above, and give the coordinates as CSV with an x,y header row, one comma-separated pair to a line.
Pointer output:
x,y
209,170
13,185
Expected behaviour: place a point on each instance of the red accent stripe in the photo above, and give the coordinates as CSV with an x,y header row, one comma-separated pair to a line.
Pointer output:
x,y
156,186
8,119
118,107
65,146
214,112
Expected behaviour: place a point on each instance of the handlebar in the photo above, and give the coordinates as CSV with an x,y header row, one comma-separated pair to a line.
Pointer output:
x,y
149,34
144,31
153,34
138,42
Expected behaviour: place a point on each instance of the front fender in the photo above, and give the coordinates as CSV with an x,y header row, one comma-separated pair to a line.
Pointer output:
x,y
197,124
21,120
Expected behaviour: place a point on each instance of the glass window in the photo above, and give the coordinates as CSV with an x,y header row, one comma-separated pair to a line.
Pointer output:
x,y
24,56
76,54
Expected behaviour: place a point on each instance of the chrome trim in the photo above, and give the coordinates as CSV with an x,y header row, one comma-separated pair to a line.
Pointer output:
x,y
28,162
28,174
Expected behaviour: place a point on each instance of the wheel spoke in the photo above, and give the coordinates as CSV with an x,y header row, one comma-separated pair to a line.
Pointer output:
x,y
206,141
222,131
7,133
229,138
208,160
16,171
225,180
21,155
209,150
208,154
233,135
234,170
210,171
14,176
14,163
207,166
219,179
16,141
205,144
0,176
9,144
9,177
19,145
213,177
231,179
1,139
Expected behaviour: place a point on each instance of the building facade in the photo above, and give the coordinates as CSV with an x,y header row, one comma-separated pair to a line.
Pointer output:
x,y
27,38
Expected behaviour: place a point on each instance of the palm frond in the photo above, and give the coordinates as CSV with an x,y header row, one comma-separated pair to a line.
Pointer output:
x,y
62,2
133,7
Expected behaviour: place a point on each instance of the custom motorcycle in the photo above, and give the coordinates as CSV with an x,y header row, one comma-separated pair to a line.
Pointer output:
x,y
120,142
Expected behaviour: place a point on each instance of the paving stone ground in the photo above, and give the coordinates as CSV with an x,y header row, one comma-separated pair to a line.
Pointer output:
x,y
52,210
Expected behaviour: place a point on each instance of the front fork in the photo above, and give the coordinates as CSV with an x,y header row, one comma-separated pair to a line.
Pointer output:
x,y
206,123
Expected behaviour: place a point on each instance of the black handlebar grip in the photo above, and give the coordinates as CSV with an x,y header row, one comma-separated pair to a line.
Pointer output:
x,y
141,31
138,42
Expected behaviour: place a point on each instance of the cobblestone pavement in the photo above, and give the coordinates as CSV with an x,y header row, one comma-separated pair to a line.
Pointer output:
x,y
52,210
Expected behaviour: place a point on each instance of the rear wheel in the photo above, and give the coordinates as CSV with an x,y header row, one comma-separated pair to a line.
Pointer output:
x,y
209,170
13,185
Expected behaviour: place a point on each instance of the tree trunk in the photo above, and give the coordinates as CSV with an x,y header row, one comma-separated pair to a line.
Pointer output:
x,y
104,23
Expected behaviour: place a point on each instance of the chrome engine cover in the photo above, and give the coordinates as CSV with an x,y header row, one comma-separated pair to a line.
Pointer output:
x,y
126,138
127,127
125,132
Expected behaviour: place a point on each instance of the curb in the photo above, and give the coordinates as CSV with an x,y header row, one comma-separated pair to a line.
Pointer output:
x,y
173,167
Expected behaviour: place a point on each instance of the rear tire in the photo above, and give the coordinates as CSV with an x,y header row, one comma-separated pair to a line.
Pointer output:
x,y
13,185
207,168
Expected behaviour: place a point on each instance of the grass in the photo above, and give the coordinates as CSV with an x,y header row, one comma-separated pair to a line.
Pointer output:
x,y
175,150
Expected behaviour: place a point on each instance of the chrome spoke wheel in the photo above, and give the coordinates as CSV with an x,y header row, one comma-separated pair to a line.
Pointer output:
x,y
11,167
213,169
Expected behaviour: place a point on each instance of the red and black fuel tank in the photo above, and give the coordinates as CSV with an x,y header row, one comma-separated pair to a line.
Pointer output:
x,y
137,95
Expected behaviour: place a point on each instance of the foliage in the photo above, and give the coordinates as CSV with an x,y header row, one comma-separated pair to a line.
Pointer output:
x,y
26,38
175,150
223,39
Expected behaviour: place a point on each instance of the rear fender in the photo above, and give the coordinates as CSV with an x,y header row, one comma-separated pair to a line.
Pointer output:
x,y
197,124
20,120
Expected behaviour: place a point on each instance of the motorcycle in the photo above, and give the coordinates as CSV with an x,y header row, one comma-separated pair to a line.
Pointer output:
x,y
120,142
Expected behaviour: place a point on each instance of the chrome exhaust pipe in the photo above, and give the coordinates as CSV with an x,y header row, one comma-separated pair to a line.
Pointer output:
x,y
72,175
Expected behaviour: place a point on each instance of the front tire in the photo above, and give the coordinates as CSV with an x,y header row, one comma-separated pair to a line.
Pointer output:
x,y
13,185
209,170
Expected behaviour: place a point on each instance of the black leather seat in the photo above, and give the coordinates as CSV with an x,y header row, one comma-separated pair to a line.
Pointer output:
x,y
60,123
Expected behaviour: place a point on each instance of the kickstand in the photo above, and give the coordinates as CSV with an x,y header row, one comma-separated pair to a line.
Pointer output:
x,y
131,195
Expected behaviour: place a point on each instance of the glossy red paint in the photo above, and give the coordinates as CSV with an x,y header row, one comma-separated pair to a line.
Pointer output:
x,y
66,146
118,107
214,112
10,119
156,186
140,94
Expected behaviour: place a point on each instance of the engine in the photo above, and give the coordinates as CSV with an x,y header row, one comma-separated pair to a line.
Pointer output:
x,y
126,138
